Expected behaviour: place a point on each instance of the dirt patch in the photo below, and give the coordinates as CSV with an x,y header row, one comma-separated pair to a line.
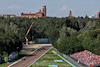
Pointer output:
x,y
33,46
36,45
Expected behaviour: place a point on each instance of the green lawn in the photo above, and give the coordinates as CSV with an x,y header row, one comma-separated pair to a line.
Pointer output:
x,y
48,59
21,55
5,64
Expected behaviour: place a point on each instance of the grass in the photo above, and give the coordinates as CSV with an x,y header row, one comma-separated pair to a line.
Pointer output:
x,y
5,64
48,59
21,55
50,51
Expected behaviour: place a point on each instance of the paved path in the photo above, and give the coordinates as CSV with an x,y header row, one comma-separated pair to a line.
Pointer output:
x,y
32,58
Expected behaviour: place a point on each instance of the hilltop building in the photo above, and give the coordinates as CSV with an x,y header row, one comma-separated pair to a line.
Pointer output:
x,y
98,15
70,15
8,15
36,15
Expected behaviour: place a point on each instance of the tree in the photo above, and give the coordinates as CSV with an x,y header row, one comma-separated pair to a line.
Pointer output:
x,y
62,35
54,35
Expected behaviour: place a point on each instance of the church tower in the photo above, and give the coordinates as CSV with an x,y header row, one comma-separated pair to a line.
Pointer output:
x,y
44,10
70,13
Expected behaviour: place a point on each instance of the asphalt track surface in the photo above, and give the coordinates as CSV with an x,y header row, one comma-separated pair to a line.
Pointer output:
x,y
32,57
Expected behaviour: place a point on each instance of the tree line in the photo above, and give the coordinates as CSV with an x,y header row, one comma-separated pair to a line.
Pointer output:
x,y
68,35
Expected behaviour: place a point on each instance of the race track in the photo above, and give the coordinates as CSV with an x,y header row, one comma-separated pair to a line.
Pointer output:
x,y
32,57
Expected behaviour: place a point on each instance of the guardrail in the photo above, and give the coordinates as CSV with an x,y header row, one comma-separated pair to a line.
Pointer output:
x,y
70,59
37,48
64,59
79,61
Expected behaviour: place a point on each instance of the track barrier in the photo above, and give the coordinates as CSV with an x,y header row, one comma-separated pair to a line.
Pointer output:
x,y
64,59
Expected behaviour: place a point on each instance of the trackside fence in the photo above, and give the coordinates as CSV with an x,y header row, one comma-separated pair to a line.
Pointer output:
x,y
72,59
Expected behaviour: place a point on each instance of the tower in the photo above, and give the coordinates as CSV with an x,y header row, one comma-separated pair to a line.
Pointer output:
x,y
39,10
98,15
70,13
44,10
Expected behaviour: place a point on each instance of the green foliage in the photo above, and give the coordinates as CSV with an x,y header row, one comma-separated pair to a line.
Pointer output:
x,y
68,35
49,30
70,45
54,35
62,35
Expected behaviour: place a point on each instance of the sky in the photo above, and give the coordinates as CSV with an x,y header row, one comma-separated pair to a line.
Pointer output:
x,y
55,8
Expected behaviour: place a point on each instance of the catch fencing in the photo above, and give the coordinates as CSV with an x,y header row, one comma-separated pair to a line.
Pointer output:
x,y
72,59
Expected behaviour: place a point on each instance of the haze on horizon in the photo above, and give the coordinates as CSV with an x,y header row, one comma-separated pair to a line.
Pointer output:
x,y
55,8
